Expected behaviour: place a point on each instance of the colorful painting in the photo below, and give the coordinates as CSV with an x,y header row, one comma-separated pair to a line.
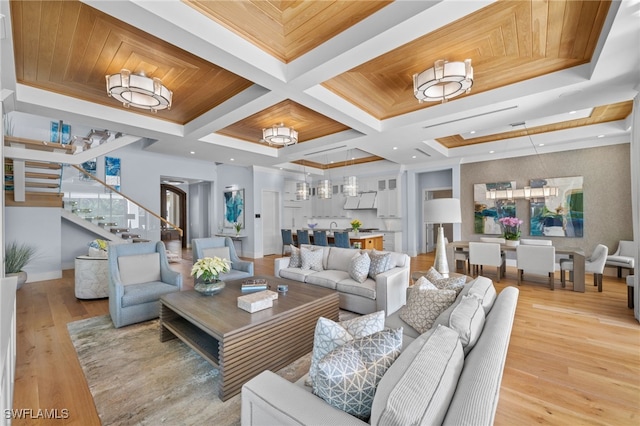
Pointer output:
x,y
487,212
58,135
561,215
112,172
233,208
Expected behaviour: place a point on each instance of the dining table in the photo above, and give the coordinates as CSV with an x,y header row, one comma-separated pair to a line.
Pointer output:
x,y
576,254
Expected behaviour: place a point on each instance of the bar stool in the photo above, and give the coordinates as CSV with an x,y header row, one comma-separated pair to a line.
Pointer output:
x,y
320,238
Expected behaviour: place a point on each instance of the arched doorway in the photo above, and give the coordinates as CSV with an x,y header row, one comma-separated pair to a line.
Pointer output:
x,y
173,207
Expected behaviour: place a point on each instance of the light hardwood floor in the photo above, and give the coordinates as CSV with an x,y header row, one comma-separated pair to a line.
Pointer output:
x,y
574,358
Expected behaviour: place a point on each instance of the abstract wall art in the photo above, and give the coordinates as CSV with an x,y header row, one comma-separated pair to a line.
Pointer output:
x,y
561,215
233,208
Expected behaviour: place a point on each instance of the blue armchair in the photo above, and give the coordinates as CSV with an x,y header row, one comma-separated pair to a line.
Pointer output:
x,y
222,247
139,274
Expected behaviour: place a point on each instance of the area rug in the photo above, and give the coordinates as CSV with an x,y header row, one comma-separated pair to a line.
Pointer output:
x,y
136,379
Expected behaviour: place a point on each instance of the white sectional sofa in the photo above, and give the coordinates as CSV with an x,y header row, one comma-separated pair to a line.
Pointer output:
x,y
386,292
449,387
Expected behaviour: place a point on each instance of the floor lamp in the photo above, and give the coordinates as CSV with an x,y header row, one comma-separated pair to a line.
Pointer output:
x,y
442,210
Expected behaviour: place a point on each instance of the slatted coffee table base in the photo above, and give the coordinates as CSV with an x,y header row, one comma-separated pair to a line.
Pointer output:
x,y
243,354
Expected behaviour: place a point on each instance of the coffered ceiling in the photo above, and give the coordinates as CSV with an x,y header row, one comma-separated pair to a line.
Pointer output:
x,y
339,72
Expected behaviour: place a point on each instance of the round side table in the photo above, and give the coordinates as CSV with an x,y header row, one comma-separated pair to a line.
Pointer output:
x,y
91,277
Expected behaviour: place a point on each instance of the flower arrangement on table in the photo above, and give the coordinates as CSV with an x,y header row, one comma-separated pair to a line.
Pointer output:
x,y
238,227
98,248
510,227
355,225
209,268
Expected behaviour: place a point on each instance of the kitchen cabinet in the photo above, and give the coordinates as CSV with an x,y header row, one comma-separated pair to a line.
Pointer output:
x,y
388,198
391,241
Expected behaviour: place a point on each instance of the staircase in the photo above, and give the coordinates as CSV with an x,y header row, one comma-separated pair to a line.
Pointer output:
x,y
38,183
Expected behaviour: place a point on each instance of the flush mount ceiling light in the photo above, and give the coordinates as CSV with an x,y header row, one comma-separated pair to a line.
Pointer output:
x,y
139,91
444,81
279,135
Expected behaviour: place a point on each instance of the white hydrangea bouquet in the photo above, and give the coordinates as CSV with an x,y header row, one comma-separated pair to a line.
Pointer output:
x,y
208,268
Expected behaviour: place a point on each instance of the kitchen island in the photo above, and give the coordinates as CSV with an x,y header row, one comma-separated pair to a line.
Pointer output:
x,y
367,240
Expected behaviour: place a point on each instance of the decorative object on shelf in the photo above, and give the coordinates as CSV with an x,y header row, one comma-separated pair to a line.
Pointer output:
x,y
279,135
238,227
139,91
312,225
98,248
444,81
511,229
442,210
209,269
233,207
16,257
355,225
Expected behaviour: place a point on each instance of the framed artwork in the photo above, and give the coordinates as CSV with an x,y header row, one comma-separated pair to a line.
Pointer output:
x,y
60,134
562,215
112,172
487,212
233,207
89,166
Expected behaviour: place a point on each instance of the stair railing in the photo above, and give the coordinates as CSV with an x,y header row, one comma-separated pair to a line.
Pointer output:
x,y
100,203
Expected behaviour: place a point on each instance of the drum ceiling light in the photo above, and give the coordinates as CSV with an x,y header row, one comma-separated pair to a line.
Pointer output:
x,y
444,81
139,91
279,135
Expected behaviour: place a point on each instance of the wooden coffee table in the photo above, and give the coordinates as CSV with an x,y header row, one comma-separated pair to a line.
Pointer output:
x,y
240,344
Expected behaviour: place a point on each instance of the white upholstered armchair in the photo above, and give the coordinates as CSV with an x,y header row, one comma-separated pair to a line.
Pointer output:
x,y
222,247
594,265
623,257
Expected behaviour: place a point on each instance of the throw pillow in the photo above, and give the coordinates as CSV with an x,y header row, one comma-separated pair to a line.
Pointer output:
x,y
424,283
359,267
329,335
424,305
483,289
467,318
295,261
139,268
311,259
379,263
349,375
221,252
450,283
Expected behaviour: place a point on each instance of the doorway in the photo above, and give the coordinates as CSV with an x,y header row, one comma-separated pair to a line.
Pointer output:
x,y
271,238
173,208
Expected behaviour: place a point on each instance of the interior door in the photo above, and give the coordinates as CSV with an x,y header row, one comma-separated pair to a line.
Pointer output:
x,y
271,238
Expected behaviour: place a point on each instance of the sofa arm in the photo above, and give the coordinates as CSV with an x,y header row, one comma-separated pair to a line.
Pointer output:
x,y
243,265
280,263
268,399
391,289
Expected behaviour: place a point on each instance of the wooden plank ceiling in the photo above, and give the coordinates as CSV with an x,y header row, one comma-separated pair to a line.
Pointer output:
x,y
68,47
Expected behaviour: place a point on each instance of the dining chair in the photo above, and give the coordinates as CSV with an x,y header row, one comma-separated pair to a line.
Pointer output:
x,y
594,265
532,242
287,239
537,260
341,239
624,257
320,238
486,254
303,237
493,240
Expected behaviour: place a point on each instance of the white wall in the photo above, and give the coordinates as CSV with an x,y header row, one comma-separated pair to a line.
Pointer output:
x,y
240,178
264,180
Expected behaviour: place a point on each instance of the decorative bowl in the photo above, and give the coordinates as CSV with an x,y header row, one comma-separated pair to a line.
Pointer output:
x,y
209,289
312,225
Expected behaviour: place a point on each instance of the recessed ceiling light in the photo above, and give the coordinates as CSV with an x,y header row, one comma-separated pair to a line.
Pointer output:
x,y
280,168
572,112
413,156
192,152
473,132
601,136
395,147
330,162
491,152
232,159
540,144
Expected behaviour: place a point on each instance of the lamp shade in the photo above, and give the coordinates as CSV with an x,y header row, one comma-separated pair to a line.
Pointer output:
x,y
442,210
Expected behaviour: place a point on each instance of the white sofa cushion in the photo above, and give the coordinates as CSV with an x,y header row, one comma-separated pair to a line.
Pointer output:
x,y
349,375
139,268
419,385
467,318
328,278
367,288
221,252
483,289
296,274
339,258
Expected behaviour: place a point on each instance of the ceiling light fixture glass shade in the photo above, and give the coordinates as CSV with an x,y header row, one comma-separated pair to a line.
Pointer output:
x,y
279,135
139,91
350,186
523,193
302,191
324,190
444,81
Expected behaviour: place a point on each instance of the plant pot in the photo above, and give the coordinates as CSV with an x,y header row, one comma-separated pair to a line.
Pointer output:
x,y
22,278
513,243
209,288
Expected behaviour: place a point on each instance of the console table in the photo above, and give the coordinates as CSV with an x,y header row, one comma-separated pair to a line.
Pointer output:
x,y
576,254
234,238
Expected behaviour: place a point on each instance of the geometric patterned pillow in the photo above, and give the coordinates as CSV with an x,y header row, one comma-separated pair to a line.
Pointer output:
x,y
295,261
359,267
451,283
424,306
349,375
425,284
311,259
329,335
379,263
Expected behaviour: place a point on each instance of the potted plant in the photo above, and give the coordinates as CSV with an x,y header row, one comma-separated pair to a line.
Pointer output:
x,y
208,269
355,225
238,227
16,257
511,229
